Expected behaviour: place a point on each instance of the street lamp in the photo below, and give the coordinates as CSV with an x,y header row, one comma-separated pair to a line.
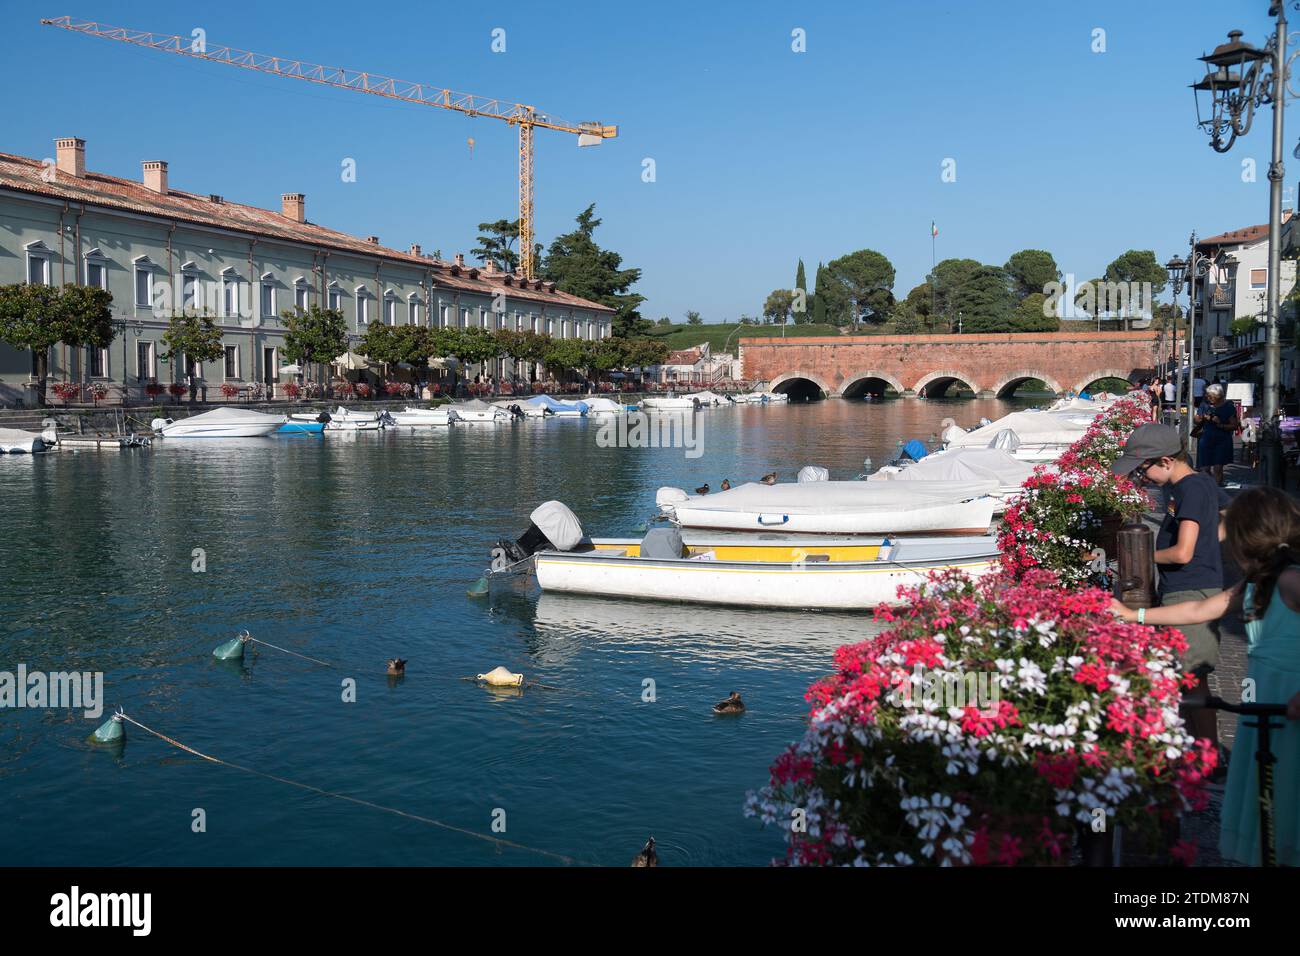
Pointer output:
x,y
1196,267
1240,78
1177,268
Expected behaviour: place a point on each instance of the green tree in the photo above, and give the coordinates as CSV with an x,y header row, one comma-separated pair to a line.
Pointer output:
x,y
984,301
37,317
693,318
800,305
818,310
778,305
317,336
905,320
1029,317
496,242
1137,266
1030,271
947,279
194,336
866,281
580,267
664,321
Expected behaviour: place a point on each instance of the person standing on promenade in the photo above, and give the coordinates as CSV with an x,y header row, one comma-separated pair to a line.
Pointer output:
x,y
1187,545
1262,533
1215,423
1249,425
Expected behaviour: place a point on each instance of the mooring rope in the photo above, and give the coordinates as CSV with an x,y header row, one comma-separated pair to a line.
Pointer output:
x,y
499,842
245,636
286,650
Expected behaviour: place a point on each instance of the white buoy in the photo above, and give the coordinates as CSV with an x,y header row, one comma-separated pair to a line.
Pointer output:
x,y
500,677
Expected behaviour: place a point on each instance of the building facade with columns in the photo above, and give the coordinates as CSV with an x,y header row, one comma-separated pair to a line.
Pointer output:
x,y
160,250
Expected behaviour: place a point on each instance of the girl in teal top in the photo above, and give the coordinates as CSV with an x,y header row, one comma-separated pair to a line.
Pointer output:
x,y
1263,534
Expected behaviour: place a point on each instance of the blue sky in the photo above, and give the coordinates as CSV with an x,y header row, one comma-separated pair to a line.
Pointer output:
x,y
762,155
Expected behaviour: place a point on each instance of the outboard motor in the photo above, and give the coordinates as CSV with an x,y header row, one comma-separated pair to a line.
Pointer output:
x,y
551,526
516,411
547,410
323,418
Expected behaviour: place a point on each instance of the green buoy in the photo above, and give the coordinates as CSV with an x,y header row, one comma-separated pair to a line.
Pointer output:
x,y
111,731
479,589
233,649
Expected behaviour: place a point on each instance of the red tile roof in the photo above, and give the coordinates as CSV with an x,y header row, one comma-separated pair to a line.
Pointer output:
x,y
23,173
683,357
1243,236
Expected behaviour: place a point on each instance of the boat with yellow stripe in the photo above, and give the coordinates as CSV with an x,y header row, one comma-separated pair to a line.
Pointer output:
x,y
746,571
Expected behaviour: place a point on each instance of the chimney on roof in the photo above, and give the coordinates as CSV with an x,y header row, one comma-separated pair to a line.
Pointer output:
x,y
71,154
294,206
155,176
490,267
373,240
415,249
460,259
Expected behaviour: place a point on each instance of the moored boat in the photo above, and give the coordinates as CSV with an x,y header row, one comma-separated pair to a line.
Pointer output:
x,y
293,427
478,412
423,417
839,507
832,574
14,441
219,423
679,403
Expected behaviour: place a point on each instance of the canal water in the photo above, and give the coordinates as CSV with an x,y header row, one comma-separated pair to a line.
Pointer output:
x,y
354,549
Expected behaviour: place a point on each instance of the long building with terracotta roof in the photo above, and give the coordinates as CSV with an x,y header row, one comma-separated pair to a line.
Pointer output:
x,y
160,250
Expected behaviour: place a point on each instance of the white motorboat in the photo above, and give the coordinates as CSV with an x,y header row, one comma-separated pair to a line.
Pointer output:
x,y
679,403
777,397
740,570
341,414
603,406
478,412
14,441
219,423
748,571
526,409
754,398
423,417
710,399
839,507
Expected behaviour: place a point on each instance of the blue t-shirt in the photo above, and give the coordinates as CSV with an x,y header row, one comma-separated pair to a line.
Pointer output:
x,y
1195,498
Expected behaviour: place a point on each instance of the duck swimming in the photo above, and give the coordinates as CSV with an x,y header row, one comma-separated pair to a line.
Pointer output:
x,y
703,489
732,705
769,478
726,484
647,856
397,667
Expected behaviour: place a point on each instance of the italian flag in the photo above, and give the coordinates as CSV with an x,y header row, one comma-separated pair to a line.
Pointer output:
x,y
934,230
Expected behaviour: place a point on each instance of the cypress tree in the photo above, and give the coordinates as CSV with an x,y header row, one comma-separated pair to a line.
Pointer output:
x,y
801,282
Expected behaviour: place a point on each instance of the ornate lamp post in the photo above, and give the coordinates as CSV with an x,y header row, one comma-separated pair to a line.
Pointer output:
x,y
1192,271
1239,78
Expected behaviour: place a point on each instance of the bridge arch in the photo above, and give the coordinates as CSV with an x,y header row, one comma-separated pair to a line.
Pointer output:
x,y
1128,376
857,384
942,380
1007,387
800,384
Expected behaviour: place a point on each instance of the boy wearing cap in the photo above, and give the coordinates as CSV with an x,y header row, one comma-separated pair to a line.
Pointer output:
x,y
1187,545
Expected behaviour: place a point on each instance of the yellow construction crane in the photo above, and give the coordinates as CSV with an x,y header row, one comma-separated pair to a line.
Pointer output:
x,y
516,114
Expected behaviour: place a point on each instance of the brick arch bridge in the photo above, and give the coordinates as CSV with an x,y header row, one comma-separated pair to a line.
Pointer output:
x,y
850,365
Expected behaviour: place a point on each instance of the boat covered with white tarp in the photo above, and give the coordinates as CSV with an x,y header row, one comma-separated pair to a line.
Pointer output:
x,y
962,464
1030,435
422,417
219,423
839,507
14,441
